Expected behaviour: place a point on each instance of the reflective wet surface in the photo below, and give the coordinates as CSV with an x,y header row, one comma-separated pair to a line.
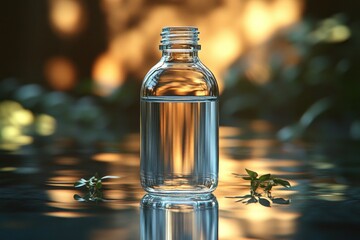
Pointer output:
x,y
179,218
37,192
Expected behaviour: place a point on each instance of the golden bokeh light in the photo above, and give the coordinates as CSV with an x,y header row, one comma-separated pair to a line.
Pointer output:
x,y
257,22
259,126
108,74
64,214
220,51
45,125
60,73
67,17
62,198
134,60
285,18
228,30
117,158
225,131
224,47
14,121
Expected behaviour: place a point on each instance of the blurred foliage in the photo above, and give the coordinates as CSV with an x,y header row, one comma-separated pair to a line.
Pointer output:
x,y
304,78
308,77
30,114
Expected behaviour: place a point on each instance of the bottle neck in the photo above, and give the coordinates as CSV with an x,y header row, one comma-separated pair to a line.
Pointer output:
x,y
179,55
180,44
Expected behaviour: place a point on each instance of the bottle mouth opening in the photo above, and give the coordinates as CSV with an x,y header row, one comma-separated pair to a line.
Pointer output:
x,y
184,37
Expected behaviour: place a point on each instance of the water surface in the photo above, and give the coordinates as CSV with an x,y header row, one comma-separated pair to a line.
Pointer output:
x,y
36,191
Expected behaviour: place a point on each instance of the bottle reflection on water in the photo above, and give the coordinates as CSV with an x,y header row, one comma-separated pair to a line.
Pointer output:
x,y
178,218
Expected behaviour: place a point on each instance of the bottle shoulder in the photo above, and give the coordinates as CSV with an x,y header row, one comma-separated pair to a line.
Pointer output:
x,y
179,79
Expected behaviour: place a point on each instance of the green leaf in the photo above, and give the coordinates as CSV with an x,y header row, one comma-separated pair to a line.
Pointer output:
x,y
79,184
92,180
79,198
98,185
254,185
246,178
252,174
105,177
265,177
282,182
87,197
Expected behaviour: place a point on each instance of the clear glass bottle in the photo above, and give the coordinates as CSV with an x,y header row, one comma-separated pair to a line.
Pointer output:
x,y
179,119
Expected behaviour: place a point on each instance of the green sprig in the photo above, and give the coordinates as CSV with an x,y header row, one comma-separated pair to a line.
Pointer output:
x,y
265,183
94,188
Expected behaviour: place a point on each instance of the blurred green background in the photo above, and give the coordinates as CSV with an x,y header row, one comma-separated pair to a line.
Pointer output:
x,y
71,70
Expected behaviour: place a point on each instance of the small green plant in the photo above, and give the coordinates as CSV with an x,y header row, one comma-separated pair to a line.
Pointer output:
x,y
94,188
261,187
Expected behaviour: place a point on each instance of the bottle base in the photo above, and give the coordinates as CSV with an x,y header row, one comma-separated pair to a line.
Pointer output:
x,y
179,185
179,203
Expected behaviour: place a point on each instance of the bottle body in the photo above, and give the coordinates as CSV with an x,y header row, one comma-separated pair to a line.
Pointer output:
x,y
178,148
179,125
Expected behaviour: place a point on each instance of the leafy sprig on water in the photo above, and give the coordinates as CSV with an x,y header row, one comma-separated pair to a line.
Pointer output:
x,y
94,188
261,187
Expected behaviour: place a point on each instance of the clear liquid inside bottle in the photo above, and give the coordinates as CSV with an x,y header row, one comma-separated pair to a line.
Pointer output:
x,y
179,120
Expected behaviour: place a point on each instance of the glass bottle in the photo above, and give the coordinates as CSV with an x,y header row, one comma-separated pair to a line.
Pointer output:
x,y
179,119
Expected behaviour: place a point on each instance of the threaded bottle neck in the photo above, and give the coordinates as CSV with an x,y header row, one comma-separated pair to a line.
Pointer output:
x,y
179,39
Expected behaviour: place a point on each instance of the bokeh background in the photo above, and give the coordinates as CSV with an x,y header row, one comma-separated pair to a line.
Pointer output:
x,y
71,70
70,77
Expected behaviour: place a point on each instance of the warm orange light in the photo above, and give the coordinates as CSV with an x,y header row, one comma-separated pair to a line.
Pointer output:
x,y
229,131
259,126
229,228
118,159
259,73
61,198
67,160
64,214
128,46
284,18
108,75
61,73
66,16
227,31
257,21
225,47
220,50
